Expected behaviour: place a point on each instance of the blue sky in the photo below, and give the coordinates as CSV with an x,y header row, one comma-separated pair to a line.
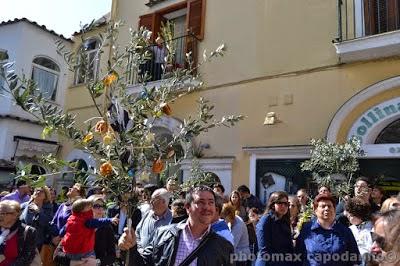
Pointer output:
x,y
62,16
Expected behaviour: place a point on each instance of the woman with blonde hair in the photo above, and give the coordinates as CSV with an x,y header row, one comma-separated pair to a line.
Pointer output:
x,y
236,201
391,203
239,232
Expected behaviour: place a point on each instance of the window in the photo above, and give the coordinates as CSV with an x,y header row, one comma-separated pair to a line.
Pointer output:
x,y
45,73
187,22
195,13
89,66
389,134
3,60
381,16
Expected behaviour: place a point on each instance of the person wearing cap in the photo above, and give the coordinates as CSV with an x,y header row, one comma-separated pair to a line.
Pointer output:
x,y
21,194
158,216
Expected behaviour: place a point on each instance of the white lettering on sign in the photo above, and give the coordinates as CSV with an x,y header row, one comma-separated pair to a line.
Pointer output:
x,y
374,120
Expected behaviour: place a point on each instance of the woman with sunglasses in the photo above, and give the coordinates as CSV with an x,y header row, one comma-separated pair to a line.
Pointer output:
x,y
385,249
105,241
274,233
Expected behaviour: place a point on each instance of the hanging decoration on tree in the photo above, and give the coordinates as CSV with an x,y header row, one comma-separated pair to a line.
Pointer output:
x,y
123,152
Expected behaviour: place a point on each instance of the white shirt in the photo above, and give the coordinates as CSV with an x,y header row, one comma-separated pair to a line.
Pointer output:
x,y
362,234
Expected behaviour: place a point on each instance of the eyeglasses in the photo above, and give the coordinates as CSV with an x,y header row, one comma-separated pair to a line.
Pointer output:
x,y
379,240
282,203
99,206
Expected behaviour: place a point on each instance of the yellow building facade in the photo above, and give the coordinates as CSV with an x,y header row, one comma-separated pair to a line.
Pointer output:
x,y
319,66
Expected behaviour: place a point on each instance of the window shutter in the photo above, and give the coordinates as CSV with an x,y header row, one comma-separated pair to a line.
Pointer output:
x,y
380,16
195,18
392,13
148,21
152,22
369,16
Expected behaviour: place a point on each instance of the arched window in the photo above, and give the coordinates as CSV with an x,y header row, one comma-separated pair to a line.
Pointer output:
x,y
37,170
88,61
390,134
45,73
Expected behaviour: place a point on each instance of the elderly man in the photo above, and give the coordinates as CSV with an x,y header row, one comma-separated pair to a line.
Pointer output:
x,y
187,243
325,242
158,216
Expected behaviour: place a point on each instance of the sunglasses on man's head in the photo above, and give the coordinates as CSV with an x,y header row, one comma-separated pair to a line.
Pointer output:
x,y
379,240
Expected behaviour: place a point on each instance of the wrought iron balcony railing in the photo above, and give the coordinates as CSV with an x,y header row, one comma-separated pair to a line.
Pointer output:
x,y
161,61
360,18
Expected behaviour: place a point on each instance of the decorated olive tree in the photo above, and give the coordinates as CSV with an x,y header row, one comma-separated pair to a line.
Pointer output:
x,y
125,150
332,165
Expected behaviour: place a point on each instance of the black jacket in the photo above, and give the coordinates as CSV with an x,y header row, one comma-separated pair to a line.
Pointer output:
x,y
114,210
162,251
104,246
26,244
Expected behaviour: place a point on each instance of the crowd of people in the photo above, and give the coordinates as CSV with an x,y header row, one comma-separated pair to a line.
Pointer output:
x,y
203,226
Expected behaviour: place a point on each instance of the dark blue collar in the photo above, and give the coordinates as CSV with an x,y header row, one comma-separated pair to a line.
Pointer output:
x,y
315,225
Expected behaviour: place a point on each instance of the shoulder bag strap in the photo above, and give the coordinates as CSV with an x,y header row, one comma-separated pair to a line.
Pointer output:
x,y
193,255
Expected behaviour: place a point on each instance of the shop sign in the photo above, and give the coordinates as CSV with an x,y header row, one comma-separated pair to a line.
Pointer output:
x,y
369,121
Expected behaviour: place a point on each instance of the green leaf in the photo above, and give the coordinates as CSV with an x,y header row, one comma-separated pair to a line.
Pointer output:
x,y
47,130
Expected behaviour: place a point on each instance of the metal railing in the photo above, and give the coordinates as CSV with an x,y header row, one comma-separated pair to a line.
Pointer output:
x,y
162,61
360,18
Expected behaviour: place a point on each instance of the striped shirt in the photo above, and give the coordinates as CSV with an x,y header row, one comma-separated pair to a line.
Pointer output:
x,y
187,243
148,225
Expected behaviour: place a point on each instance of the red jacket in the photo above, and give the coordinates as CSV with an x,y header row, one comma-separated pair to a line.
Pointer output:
x,y
78,238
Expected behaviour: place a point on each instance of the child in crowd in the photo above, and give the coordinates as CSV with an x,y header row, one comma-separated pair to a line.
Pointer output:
x,y
78,242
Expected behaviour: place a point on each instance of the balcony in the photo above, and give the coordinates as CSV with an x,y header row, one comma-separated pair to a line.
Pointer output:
x,y
367,29
161,63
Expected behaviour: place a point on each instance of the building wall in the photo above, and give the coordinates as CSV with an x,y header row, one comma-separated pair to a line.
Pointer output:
x,y
23,42
278,51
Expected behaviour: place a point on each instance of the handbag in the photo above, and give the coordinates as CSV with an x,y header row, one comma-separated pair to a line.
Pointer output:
x,y
37,261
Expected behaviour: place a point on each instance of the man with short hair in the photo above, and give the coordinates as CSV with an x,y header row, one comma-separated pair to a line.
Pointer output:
x,y
21,194
302,196
219,225
219,189
187,243
249,200
158,216
362,191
